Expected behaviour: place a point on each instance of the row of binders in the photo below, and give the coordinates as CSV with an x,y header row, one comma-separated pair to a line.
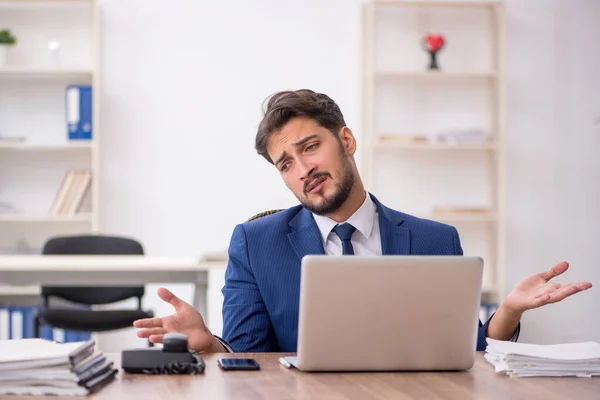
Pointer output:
x,y
72,192
42,367
16,322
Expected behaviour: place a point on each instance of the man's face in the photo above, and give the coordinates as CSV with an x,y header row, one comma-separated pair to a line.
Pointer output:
x,y
314,164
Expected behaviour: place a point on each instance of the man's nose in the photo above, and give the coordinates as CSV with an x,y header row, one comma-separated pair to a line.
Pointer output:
x,y
306,170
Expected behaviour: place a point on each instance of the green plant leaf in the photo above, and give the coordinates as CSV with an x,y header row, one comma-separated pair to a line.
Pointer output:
x,y
6,37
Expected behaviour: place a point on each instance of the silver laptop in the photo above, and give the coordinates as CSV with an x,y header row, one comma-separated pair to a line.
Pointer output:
x,y
388,313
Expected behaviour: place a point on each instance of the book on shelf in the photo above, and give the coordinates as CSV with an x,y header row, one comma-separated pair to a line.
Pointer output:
x,y
72,192
461,136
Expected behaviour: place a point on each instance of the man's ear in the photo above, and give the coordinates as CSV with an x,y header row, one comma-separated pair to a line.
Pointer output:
x,y
348,141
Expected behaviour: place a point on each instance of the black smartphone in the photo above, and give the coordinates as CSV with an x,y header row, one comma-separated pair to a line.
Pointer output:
x,y
238,364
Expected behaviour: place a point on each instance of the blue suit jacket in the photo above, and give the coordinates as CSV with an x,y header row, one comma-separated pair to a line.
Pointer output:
x,y
262,280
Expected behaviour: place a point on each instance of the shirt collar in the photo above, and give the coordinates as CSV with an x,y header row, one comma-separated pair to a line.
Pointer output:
x,y
362,219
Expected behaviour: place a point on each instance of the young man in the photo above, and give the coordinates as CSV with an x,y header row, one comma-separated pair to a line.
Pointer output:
x,y
304,135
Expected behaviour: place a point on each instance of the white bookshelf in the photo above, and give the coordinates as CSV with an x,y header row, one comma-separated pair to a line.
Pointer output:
x,y
429,3
25,73
8,146
42,3
461,217
435,75
32,106
392,146
31,217
403,99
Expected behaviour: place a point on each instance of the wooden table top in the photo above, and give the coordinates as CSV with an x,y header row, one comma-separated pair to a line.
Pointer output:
x,y
274,381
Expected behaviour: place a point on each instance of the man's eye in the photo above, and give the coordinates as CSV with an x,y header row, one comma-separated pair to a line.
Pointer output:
x,y
312,146
284,166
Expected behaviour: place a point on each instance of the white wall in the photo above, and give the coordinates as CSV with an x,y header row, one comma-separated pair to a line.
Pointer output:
x,y
182,88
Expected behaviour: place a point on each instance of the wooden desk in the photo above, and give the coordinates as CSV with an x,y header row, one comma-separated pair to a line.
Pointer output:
x,y
108,270
277,382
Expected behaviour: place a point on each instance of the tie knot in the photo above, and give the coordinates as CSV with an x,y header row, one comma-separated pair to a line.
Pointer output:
x,y
344,231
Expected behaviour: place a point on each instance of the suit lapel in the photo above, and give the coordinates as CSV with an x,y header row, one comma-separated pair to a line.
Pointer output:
x,y
395,239
305,237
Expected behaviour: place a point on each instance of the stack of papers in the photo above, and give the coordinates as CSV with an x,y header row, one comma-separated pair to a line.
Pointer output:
x,y
524,360
42,367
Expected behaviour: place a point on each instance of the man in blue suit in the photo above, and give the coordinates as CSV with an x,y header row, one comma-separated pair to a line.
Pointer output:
x,y
304,135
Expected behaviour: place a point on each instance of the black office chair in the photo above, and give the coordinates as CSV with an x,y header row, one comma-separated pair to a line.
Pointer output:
x,y
87,320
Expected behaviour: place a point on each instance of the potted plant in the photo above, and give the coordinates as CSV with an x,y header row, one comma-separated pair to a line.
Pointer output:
x,y
6,40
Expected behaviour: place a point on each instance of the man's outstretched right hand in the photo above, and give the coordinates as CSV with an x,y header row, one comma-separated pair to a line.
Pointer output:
x,y
186,320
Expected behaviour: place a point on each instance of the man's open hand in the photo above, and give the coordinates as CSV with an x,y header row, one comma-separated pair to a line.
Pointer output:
x,y
186,319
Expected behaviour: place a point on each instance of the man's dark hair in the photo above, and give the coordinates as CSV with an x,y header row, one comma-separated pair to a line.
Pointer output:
x,y
283,106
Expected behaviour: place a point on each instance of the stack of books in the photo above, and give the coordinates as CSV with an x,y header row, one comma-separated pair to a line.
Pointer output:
x,y
72,192
42,367
525,360
460,136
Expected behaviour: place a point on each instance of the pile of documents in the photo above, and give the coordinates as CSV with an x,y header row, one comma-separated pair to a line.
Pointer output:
x,y
524,360
42,367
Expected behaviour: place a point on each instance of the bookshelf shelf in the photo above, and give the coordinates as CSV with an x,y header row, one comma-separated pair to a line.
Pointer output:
x,y
19,146
435,75
463,217
21,73
427,3
488,291
397,145
30,3
45,218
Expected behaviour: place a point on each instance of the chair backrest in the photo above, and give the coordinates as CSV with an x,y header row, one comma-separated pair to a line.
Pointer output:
x,y
263,214
92,245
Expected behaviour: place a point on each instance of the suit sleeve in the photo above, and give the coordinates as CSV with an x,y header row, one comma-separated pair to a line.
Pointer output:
x,y
246,323
482,327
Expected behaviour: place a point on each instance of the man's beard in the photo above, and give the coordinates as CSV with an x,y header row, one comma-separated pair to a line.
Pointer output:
x,y
342,191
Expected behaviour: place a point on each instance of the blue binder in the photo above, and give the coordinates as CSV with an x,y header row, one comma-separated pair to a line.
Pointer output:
x,y
79,112
46,332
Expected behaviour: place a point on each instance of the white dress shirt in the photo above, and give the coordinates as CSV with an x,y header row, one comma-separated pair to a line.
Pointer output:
x,y
366,240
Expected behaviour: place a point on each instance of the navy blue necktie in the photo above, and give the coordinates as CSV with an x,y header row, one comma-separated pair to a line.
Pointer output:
x,y
345,231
